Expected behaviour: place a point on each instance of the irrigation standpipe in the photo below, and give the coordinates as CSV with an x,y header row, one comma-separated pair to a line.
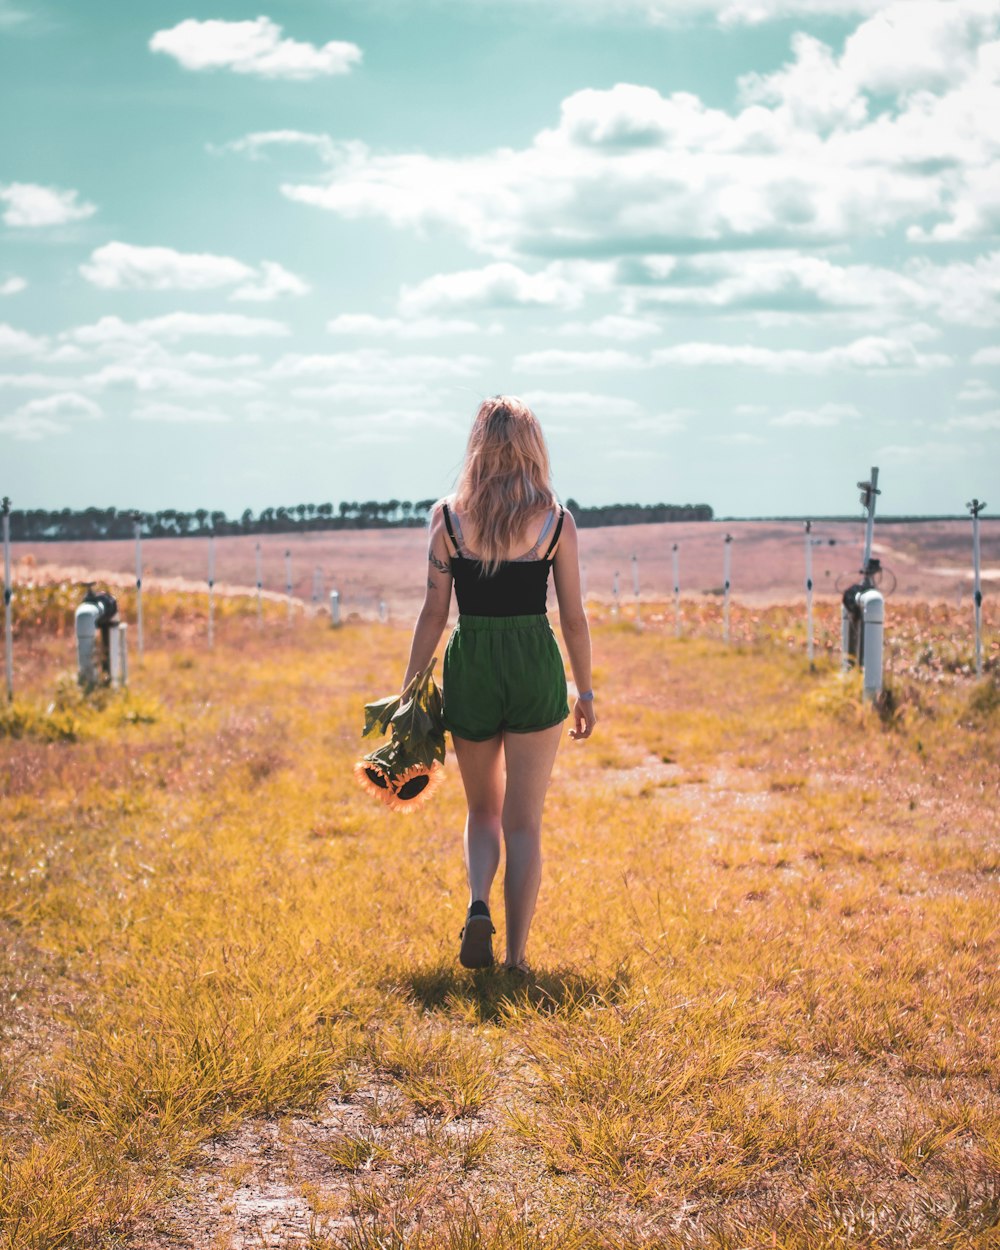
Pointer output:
x,y
975,507
8,634
862,612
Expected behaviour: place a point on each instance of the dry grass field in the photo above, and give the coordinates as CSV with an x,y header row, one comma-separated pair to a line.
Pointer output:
x,y
766,996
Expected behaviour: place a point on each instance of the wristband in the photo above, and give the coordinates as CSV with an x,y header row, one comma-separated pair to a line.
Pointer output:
x,y
586,696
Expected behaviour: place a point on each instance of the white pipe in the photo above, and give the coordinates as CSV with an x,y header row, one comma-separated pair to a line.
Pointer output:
x,y
8,629
334,607
211,583
725,586
138,583
86,632
677,590
260,610
118,653
873,616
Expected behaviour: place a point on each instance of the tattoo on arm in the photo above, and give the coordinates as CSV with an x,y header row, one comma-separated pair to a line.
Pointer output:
x,y
438,564
431,584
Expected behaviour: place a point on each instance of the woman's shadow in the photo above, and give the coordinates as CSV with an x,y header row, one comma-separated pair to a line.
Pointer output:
x,y
498,996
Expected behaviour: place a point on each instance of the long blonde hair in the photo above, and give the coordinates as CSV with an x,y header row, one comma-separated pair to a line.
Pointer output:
x,y
504,478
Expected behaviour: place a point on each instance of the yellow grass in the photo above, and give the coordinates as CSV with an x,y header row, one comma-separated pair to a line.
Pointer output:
x,y
766,996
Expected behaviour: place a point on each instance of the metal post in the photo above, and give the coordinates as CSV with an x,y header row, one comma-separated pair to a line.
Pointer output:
x,y
614,595
260,610
383,611
137,528
677,590
334,608
809,593
288,583
725,586
8,629
975,507
635,587
869,493
211,583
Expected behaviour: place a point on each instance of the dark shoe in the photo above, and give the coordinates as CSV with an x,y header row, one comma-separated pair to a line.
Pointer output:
x,y
477,938
522,970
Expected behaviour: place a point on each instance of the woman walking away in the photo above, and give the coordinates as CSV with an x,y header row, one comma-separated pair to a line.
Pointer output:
x,y
504,685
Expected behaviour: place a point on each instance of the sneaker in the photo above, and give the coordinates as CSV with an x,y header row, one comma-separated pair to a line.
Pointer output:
x,y
477,937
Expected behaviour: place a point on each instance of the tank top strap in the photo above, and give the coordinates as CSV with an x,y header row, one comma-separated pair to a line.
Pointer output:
x,y
451,532
555,536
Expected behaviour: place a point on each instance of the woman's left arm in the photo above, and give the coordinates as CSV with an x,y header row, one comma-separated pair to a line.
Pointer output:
x,y
437,599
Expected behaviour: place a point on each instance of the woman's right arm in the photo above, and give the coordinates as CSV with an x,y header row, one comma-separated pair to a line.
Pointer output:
x,y
437,600
573,623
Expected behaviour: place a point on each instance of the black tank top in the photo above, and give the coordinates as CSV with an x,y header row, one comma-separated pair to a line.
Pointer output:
x,y
517,588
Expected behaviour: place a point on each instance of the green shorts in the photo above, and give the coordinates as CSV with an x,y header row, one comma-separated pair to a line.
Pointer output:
x,y
503,673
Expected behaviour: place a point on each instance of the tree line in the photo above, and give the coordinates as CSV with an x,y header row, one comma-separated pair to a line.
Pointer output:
x,y
69,524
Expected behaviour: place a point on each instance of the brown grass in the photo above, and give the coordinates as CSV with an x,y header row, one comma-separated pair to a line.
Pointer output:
x,y
766,949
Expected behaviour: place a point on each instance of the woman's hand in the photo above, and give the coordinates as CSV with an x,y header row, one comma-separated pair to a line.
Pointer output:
x,y
584,719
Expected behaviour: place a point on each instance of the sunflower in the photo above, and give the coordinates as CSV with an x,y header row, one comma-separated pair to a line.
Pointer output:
x,y
406,770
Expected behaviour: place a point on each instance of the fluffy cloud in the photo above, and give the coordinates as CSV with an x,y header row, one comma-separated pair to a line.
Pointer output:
x,y
502,285
987,356
872,354
376,362
975,391
979,421
252,47
555,360
41,417
13,286
127,267
177,325
815,418
30,206
613,326
178,413
255,144
364,324
14,342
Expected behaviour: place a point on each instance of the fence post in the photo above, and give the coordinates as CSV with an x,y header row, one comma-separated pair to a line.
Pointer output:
x,y
677,590
211,583
975,507
8,629
137,524
260,610
725,586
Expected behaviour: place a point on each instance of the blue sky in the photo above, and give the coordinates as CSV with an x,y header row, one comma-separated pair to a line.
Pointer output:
x,y
731,251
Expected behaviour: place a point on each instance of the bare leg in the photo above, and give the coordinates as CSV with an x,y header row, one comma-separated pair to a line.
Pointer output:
x,y
529,765
482,776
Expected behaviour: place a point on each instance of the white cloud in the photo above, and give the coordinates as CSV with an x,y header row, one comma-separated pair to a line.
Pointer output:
x,y
178,413
30,206
987,356
255,144
870,354
363,324
613,326
726,13
582,404
815,418
979,421
14,342
273,280
555,360
41,417
13,286
378,363
177,325
252,47
127,267
501,285
812,89
976,391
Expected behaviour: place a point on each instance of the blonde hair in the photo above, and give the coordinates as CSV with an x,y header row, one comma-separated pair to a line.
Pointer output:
x,y
504,478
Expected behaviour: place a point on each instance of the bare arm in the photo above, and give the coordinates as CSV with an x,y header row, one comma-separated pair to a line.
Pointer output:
x,y
437,600
573,623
